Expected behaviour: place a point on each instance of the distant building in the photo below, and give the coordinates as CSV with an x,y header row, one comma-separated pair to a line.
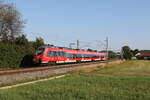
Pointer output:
x,y
143,54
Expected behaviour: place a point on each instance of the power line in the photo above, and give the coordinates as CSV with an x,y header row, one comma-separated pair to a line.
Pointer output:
x,y
81,44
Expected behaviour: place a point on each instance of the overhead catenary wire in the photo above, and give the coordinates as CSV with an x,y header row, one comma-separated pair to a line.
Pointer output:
x,y
95,44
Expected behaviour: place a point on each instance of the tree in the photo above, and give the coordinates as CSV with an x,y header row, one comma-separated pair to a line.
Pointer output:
x,y
11,23
22,40
135,52
112,55
127,54
39,42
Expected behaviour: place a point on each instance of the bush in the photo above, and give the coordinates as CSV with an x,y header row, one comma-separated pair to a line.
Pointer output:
x,y
127,54
13,56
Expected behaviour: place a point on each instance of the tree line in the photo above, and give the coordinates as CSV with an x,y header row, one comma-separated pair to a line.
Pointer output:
x,y
128,53
11,27
15,49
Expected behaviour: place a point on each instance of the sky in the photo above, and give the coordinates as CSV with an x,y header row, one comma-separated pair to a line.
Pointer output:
x,y
61,22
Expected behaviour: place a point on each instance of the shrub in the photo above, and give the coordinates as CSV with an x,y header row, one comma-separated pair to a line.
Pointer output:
x,y
13,56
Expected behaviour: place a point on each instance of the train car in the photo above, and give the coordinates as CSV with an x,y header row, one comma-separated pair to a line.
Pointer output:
x,y
53,55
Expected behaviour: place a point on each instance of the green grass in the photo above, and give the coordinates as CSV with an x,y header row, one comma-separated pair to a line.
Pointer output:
x,y
127,81
128,68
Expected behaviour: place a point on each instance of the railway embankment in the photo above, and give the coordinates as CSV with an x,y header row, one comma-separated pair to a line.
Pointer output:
x,y
11,76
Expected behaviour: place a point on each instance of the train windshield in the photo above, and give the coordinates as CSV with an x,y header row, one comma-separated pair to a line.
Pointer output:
x,y
40,51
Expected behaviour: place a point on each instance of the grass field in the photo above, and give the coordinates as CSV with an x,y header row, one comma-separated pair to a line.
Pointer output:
x,y
129,80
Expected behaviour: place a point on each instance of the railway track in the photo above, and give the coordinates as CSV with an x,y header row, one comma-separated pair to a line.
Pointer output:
x,y
13,75
41,68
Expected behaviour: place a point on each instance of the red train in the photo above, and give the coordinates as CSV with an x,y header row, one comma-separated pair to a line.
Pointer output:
x,y
52,55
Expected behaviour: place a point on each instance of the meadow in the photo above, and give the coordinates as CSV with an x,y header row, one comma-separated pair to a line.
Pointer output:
x,y
129,80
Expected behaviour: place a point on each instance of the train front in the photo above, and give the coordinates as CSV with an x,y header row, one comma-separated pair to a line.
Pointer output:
x,y
39,55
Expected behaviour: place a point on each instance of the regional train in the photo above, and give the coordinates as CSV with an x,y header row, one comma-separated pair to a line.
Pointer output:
x,y
54,55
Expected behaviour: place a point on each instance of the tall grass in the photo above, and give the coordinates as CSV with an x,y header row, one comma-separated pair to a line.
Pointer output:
x,y
127,81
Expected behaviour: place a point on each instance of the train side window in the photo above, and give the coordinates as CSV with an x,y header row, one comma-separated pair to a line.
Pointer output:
x,y
62,54
79,56
54,53
69,55
82,55
57,54
74,55
89,56
50,54
86,56
93,56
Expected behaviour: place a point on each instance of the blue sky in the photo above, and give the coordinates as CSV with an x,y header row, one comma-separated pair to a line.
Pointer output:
x,y
60,22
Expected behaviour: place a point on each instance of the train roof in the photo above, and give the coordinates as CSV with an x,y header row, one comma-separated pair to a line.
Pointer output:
x,y
70,50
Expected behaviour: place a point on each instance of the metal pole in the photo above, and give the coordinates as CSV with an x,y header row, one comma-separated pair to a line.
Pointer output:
x,y
77,44
121,54
107,47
